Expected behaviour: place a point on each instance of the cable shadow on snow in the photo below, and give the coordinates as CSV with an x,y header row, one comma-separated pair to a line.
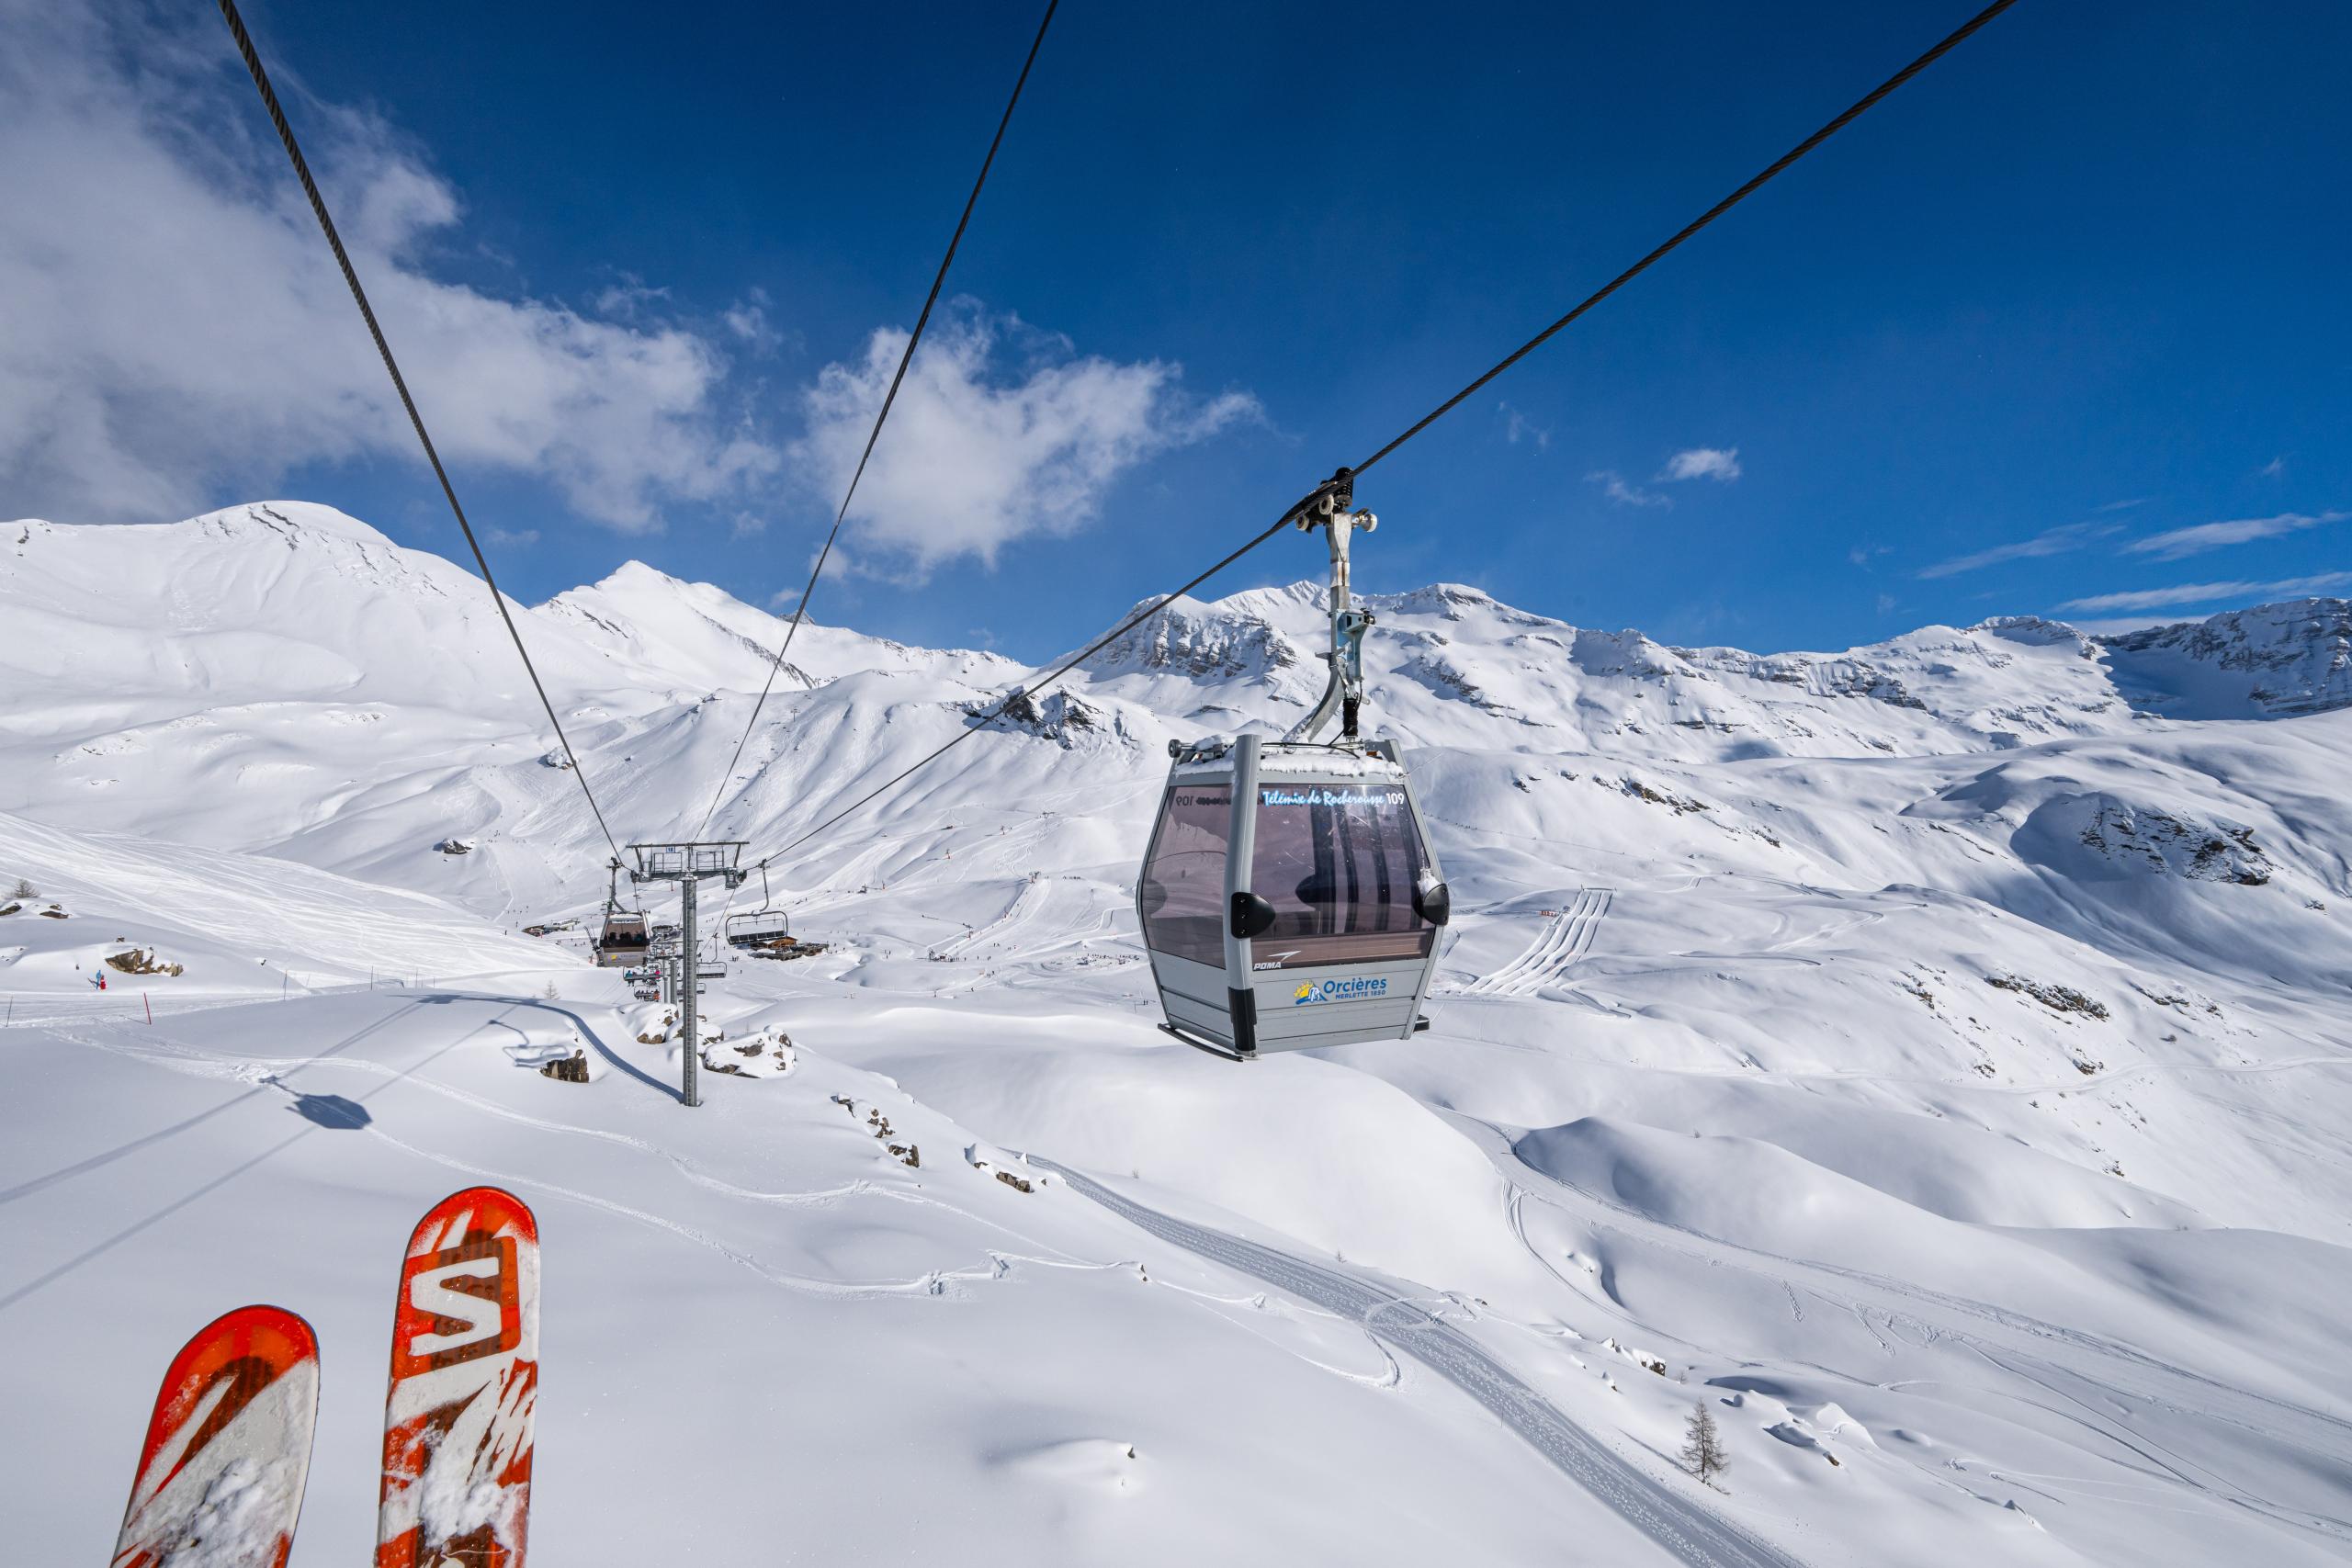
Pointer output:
x,y
97,1161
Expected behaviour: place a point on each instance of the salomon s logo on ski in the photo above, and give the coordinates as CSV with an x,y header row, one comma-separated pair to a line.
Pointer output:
x,y
457,1304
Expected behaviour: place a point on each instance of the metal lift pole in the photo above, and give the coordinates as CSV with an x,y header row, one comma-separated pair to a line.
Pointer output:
x,y
686,864
690,970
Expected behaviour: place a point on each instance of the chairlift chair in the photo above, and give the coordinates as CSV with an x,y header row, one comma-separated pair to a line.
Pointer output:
x,y
1289,898
764,927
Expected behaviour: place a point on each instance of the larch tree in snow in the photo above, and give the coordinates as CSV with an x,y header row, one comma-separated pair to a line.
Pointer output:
x,y
1703,1445
25,889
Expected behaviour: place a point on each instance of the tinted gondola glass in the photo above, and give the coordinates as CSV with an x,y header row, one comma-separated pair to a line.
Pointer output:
x,y
1338,863
1183,895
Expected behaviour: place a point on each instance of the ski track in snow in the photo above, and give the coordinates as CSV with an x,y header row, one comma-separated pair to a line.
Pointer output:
x,y
1687,1530
1565,938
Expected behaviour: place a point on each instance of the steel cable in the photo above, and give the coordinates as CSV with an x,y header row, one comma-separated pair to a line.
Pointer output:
x,y
882,415
1779,165
400,384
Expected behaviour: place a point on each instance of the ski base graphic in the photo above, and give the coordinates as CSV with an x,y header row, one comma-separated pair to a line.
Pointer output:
x,y
228,1449
458,1417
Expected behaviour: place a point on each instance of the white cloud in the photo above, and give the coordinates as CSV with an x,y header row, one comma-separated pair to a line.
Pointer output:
x,y
631,299
2209,593
748,320
2124,505
2049,542
1612,484
1518,427
2272,469
1720,464
172,324
2205,536
520,538
977,455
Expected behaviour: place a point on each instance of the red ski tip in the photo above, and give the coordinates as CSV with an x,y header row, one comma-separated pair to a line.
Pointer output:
x,y
228,1450
458,1415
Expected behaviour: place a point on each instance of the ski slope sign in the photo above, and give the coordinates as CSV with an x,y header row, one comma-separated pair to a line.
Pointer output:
x,y
228,1449
458,1415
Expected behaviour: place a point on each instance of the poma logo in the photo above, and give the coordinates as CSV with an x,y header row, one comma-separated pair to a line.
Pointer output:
x,y
1355,988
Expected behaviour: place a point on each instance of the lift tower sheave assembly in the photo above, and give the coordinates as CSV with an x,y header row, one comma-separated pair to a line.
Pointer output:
x,y
687,864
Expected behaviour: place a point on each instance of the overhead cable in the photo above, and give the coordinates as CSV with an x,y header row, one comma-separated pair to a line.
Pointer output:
x,y
882,415
1779,165
1854,112
400,384
983,720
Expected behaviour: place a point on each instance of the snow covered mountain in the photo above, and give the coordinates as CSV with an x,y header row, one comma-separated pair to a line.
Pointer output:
x,y
1932,1054
2281,659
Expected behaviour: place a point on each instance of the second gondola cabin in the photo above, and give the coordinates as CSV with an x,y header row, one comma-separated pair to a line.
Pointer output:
x,y
624,940
1290,898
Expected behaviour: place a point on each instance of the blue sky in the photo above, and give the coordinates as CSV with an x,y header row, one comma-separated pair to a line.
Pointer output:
x,y
2014,343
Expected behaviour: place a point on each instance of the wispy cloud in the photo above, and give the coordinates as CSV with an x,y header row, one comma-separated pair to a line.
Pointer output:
x,y
979,452
2205,536
2123,506
2209,593
1518,427
519,538
1612,485
2275,468
2056,541
747,319
1720,464
1862,555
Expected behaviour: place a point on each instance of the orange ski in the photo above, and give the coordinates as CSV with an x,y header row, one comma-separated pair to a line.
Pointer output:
x,y
228,1448
457,1489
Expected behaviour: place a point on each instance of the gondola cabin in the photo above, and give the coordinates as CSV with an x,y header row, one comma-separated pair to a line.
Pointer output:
x,y
623,941
1289,898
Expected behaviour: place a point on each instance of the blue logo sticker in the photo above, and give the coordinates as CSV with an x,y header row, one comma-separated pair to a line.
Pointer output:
x,y
1355,988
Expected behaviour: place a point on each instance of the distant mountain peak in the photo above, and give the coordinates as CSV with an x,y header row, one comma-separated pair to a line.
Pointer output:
x,y
2282,659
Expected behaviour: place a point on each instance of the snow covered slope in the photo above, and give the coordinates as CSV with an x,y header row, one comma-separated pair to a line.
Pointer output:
x,y
212,926
1935,1055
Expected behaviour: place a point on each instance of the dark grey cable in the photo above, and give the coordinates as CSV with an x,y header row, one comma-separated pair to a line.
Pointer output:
x,y
892,396
400,384
1860,106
